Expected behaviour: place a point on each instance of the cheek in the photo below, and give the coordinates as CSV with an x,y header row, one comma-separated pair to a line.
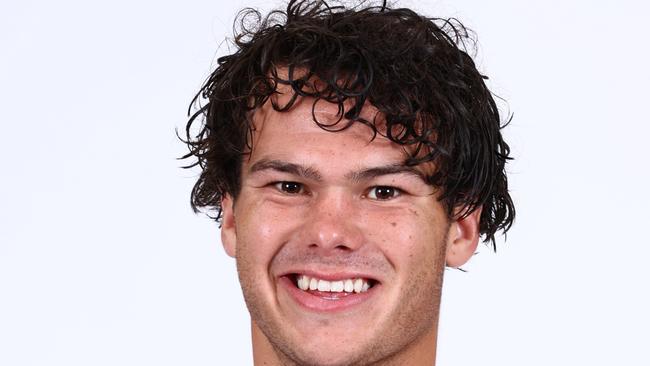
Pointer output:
x,y
260,233
261,230
408,238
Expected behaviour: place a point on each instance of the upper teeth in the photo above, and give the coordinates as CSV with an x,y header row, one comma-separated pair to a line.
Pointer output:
x,y
350,285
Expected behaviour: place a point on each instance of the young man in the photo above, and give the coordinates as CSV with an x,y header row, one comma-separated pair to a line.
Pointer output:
x,y
351,154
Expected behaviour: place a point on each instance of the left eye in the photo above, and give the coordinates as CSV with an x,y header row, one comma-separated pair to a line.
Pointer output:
x,y
383,193
289,187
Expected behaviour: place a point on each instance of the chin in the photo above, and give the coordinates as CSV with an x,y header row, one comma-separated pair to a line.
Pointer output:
x,y
322,346
328,356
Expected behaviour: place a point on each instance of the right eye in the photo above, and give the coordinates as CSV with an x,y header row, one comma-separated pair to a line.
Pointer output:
x,y
289,187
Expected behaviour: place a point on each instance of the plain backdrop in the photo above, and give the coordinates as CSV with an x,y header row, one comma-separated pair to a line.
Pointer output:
x,y
102,261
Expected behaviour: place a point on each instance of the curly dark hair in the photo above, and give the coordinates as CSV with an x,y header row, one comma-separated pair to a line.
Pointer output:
x,y
415,70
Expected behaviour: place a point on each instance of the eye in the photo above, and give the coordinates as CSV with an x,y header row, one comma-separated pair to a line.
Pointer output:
x,y
383,193
289,187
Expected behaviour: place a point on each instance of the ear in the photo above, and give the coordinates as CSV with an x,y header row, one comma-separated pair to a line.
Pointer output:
x,y
463,239
228,230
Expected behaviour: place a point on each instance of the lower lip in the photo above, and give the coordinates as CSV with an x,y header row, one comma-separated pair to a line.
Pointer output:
x,y
325,304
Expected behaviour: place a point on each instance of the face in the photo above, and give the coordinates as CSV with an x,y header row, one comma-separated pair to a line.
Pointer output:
x,y
340,248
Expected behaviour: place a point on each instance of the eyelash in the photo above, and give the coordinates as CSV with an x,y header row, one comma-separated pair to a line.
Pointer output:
x,y
396,192
281,187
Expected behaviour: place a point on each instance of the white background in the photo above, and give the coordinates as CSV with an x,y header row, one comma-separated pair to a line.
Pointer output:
x,y
102,261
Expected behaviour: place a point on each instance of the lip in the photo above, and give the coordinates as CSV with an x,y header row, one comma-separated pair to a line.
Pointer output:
x,y
320,304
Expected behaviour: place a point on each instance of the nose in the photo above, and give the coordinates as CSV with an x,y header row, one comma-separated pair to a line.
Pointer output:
x,y
333,223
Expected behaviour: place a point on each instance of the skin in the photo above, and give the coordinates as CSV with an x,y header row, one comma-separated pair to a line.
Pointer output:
x,y
333,219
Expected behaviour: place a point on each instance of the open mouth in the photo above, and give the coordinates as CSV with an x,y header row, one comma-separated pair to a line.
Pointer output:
x,y
332,288
332,294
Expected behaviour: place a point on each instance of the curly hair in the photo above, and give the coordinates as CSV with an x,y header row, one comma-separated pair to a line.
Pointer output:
x,y
414,70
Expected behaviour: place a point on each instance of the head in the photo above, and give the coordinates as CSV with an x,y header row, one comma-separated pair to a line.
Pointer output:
x,y
350,154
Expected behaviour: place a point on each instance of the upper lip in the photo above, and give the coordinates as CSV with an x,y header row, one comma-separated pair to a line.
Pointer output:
x,y
331,275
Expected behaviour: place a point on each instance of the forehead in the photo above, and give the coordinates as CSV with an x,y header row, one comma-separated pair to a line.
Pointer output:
x,y
294,134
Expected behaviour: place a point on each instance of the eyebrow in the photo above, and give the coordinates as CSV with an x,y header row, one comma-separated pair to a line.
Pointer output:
x,y
374,172
286,167
313,174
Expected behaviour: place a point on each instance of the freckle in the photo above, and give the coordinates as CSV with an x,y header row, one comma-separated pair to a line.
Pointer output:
x,y
393,223
324,322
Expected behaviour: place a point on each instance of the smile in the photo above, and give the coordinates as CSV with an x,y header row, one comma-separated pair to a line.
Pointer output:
x,y
350,285
335,294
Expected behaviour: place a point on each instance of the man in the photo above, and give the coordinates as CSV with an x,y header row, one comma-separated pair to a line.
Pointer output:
x,y
351,154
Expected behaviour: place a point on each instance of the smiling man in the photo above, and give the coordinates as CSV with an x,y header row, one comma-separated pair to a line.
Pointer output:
x,y
351,155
